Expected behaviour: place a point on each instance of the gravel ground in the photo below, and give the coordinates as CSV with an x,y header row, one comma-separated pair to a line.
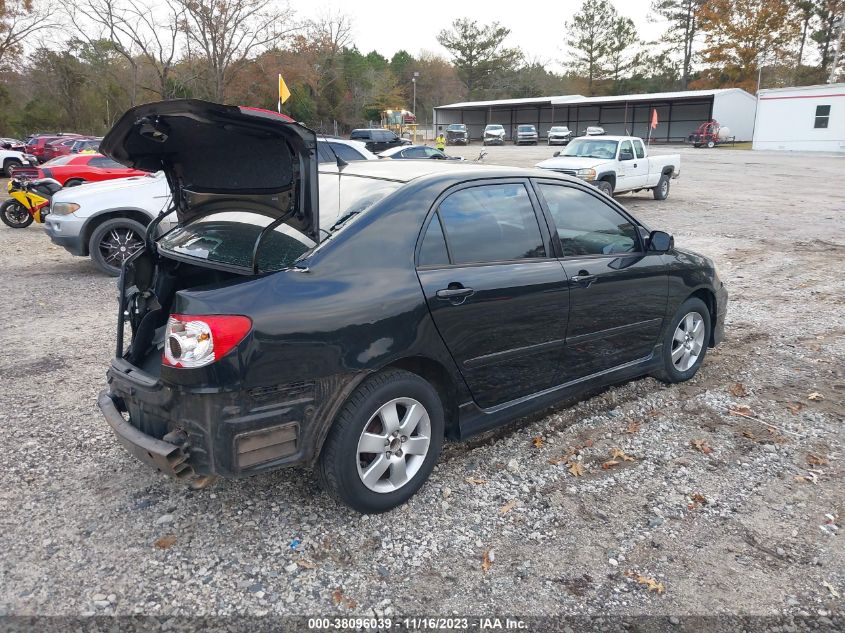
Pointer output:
x,y
732,501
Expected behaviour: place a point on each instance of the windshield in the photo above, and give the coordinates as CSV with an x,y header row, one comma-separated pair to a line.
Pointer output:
x,y
229,238
591,148
457,128
559,129
526,128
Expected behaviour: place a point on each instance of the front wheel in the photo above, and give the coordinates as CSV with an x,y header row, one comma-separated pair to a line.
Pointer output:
x,y
10,165
685,342
661,191
605,187
711,144
15,215
115,241
384,443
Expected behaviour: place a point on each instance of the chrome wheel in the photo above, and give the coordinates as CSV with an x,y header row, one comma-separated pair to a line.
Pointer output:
x,y
688,341
664,187
119,244
393,445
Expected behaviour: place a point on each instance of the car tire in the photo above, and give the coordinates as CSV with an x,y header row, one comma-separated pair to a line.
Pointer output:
x,y
74,182
15,215
107,240
711,144
9,165
661,191
605,187
361,479
684,344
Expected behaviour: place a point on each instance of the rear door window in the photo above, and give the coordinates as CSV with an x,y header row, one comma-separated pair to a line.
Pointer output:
x,y
638,149
347,153
491,223
433,250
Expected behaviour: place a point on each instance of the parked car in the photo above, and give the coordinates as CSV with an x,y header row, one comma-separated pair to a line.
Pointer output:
x,y
35,143
559,135
494,134
458,299
12,144
75,169
58,147
11,160
417,151
526,134
378,140
106,221
456,134
330,149
91,145
593,130
615,164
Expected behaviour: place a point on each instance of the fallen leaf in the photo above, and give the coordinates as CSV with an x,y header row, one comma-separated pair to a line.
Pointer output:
x,y
651,583
339,598
588,443
810,477
816,460
815,396
307,564
702,446
610,464
476,481
486,561
697,499
510,505
830,588
618,453
738,390
794,407
633,427
537,442
575,468
749,435
165,542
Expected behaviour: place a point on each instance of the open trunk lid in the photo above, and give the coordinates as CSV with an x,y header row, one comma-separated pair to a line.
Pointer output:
x,y
218,156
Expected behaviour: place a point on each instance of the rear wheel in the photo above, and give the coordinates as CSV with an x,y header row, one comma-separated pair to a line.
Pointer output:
x,y
113,242
10,165
74,182
661,191
15,215
711,144
384,443
605,187
685,341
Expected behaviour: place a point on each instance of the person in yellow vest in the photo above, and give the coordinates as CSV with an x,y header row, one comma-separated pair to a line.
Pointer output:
x,y
440,142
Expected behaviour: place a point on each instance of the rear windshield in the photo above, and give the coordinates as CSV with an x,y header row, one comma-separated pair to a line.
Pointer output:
x,y
229,238
526,128
59,160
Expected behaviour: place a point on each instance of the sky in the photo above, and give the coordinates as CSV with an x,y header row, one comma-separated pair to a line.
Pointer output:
x,y
537,27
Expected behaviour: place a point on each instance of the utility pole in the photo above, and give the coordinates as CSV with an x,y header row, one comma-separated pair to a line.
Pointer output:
x,y
840,23
414,106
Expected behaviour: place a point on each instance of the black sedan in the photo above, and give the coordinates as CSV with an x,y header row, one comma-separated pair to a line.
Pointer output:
x,y
448,299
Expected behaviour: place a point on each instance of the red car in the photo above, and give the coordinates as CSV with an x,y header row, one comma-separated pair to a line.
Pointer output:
x,y
74,169
35,144
58,147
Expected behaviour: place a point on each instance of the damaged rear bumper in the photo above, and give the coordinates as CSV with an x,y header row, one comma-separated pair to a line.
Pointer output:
x,y
165,457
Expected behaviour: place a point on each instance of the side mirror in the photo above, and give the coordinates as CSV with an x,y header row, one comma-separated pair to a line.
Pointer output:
x,y
660,242
556,154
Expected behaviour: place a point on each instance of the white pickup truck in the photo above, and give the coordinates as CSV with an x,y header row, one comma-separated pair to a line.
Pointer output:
x,y
615,164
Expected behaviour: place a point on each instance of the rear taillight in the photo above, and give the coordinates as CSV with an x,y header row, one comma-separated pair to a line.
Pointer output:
x,y
198,340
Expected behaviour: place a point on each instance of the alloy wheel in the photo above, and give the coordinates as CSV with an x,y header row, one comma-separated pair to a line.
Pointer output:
x,y
664,187
16,213
688,341
120,244
393,445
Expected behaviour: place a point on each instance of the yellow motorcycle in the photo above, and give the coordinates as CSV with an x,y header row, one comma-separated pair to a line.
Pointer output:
x,y
29,200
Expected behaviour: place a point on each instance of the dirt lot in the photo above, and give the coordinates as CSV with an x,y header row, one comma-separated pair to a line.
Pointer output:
x,y
733,502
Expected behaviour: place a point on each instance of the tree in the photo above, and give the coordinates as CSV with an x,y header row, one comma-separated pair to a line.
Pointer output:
x,y
827,12
20,20
621,38
227,32
738,34
478,52
682,31
589,39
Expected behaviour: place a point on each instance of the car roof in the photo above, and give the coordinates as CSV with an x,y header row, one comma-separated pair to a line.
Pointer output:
x,y
608,137
405,171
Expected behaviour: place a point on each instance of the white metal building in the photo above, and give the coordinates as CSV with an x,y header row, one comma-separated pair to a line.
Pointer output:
x,y
807,118
678,113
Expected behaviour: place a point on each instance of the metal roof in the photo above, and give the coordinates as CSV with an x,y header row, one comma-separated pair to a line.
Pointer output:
x,y
581,100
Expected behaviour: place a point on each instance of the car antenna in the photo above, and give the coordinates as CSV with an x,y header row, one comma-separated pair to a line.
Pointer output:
x,y
340,162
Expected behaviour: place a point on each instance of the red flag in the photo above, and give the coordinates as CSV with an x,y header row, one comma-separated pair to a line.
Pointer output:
x,y
653,118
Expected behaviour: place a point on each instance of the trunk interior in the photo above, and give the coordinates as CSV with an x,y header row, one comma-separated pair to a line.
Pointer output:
x,y
149,287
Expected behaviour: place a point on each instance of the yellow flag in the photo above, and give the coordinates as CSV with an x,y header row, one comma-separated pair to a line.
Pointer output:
x,y
284,93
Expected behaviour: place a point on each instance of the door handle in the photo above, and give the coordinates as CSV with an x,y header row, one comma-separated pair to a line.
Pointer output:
x,y
454,291
583,278
635,164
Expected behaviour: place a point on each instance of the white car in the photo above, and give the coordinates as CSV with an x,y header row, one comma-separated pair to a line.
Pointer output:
x,y
615,164
107,220
559,134
494,134
11,159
